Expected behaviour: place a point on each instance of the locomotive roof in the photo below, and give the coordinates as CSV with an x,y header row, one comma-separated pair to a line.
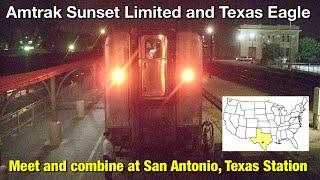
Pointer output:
x,y
152,25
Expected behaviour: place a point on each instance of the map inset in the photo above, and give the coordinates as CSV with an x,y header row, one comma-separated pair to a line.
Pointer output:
x,y
265,123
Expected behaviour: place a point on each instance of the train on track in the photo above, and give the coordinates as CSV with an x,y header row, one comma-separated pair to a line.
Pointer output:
x,y
153,89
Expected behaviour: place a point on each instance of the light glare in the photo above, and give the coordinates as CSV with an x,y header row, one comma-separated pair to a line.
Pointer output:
x,y
209,30
28,48
252,35
187,75
102,31
118,76
71,47
240,37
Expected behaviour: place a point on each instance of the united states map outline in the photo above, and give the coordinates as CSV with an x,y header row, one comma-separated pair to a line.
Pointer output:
x,y
270,117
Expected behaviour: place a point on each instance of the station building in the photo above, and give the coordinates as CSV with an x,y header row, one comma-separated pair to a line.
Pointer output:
x,y
251,38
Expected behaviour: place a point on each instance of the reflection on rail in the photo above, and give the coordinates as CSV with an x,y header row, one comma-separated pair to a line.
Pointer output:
x,y
214,100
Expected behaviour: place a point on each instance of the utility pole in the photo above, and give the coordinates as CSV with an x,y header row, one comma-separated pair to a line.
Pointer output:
x,y
55,125
210,32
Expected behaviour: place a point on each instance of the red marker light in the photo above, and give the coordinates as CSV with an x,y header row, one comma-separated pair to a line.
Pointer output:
x,y
118,76
187,75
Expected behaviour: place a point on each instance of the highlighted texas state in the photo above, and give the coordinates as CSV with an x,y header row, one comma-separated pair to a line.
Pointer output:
x,y
263,139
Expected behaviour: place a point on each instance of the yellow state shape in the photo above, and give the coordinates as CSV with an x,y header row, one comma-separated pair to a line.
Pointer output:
x,y
263,139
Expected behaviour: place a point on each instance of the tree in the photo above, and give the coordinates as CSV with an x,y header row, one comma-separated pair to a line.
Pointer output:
x,y
15,40
85,40
271,52
3,45
309,48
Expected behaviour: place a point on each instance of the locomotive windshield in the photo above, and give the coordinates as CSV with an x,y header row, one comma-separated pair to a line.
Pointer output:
x,y
153,54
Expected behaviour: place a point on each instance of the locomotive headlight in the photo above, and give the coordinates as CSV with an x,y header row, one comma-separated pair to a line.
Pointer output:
x,y
118,75
187,75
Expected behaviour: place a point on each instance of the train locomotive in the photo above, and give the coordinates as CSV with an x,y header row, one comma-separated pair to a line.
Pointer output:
x,y
153,85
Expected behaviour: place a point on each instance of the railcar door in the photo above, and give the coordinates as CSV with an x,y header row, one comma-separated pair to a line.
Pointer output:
x,y
154,61
156,117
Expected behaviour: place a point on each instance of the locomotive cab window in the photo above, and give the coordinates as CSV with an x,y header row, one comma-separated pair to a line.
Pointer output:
x,y
153,56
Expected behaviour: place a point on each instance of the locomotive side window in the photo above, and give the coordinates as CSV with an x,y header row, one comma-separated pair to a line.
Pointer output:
x,y
153,56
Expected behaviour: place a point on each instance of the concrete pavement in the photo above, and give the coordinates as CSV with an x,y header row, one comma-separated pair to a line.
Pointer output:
x,y
82,140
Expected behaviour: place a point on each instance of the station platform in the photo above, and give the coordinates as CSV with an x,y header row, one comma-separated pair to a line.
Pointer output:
x,y
81,140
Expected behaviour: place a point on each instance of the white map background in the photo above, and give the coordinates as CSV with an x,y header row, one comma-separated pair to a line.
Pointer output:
x,y
231,142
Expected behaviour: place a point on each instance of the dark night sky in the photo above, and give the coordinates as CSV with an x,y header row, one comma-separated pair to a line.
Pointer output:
x,y
223,27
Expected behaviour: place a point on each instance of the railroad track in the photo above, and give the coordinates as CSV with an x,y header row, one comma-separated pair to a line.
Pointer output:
x,y
215,102
212,99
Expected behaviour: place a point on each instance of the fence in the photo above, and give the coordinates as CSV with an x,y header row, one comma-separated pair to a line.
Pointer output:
x,y
302,67
11,123
23,92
